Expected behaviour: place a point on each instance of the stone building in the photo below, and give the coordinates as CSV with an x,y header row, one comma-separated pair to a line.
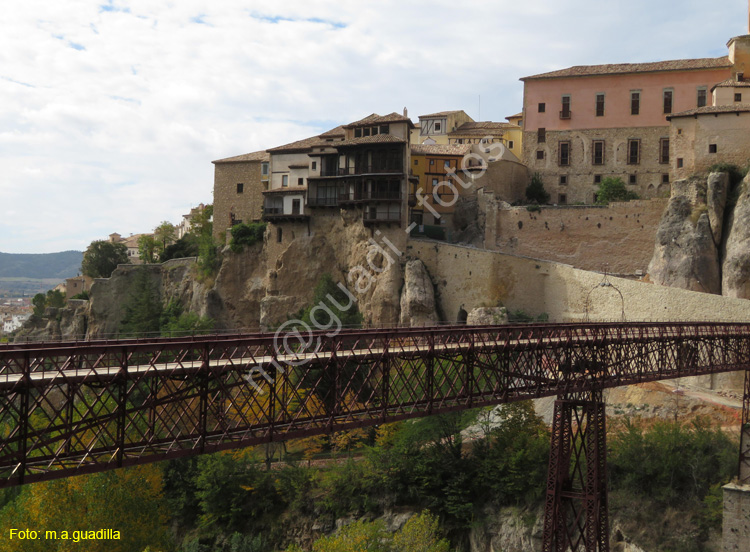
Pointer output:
x,y
586,123
434,128
239,183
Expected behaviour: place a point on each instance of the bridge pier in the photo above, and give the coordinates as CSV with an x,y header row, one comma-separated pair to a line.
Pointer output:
x,y
575,513
736,519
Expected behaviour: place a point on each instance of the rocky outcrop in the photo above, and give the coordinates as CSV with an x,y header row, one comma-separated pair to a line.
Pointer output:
x,y
686,255
507,529
716,200
469,221
736,266
487,316
417,297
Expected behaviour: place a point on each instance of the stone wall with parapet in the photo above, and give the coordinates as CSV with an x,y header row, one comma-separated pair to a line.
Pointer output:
x,y
619,236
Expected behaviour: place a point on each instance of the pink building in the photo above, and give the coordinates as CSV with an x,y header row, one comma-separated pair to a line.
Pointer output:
x,y
586,123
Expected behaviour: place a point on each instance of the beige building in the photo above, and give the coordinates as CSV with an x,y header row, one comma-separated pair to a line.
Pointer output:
x,y
720,132
488,132
239,183
434,128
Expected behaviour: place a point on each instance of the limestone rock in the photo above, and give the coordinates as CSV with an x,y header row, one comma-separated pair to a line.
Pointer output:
x,y
417,297
736,266
507,529
685,255
487,316
716,199
276,309
468,221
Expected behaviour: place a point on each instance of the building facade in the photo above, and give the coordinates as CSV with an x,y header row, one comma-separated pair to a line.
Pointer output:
x,y
239,183
587,123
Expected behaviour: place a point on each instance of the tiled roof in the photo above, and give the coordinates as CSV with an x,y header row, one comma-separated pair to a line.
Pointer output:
x,y
481,128
516,116
731,83
375,119
440,149
377,139
440,114
713,109
338,131
621,68
255,156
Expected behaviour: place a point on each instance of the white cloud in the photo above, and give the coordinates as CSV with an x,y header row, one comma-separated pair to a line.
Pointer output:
x,y
111,111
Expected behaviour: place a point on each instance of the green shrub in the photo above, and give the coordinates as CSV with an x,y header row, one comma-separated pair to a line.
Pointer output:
x,y
246,234
613,189
535,192
736,174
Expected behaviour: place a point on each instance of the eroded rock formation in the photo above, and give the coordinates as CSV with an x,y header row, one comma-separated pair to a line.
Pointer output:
x,y
418,297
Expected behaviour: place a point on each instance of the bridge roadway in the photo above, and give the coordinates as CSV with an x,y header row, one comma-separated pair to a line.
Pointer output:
x,y
79,407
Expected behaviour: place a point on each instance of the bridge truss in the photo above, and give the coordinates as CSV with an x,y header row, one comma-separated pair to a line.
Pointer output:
x,y
74,408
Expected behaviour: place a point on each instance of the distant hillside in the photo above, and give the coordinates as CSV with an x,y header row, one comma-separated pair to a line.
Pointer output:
x,y
65,264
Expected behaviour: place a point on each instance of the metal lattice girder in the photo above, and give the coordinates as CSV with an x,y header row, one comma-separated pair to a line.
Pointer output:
x,y
575,513
70,408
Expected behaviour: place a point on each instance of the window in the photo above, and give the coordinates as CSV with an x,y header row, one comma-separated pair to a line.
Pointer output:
x,y
542,107
668,93
264,169
285,181
633,179
635,102
384,129
366,131
665,179
597,179
416,162
563,180
240,187
432,162
540,154
314,165
597,151
711,148
541,135
634,152
702,95
300,182
438,126
664,151
737,97
510,144
562,199
446,164
563,154
279,234
679,162
296,207
565,111
358,133
600,105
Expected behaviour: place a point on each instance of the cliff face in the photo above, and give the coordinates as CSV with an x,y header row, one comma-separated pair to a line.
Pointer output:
x,y
702,240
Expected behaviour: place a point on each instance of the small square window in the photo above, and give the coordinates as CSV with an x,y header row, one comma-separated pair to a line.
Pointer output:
x,y
432,162
562,199
416,162
711,148
632,179
510,144
679,162
563,180
358,133
240,187
438,127
540,154
665,179
366,131
542,107
737,97
314,165
597,179
300,182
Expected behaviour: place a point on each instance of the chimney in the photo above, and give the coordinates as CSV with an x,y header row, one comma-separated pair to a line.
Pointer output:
x,y
406,113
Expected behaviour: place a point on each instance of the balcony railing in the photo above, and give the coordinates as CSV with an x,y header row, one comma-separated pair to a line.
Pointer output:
x,y
371,195
273,210
322,201
360,169
565,114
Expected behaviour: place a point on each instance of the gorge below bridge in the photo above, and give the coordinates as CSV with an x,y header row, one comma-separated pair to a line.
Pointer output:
x,y
69,408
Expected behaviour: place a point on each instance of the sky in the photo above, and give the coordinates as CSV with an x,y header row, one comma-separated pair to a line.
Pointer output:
x,y
111,111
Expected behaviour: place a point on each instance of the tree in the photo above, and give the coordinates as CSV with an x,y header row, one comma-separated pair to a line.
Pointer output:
x,y
102,257
165,234
40,302
535,192
147,246
613,189
144,309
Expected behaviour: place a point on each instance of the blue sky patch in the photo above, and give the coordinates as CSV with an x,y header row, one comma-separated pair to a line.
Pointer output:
x,y
279,18
110,7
